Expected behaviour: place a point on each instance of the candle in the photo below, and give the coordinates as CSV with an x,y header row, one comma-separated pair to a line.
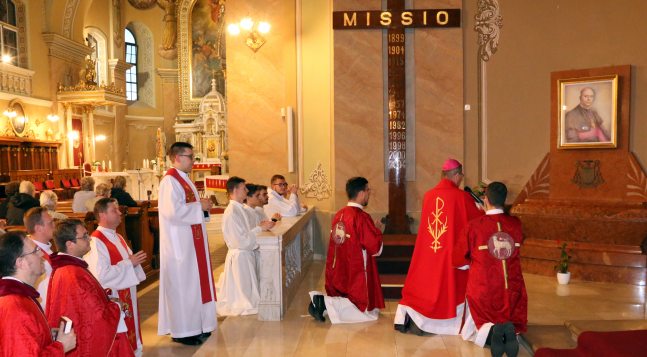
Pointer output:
x,y
148,164
144,164
103,165
110,165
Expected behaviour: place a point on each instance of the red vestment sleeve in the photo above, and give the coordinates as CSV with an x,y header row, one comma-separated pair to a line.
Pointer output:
x,y
371,237
73,292
24,330
461,252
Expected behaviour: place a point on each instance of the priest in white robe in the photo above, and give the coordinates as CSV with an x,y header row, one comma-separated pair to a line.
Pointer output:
x,y
40,226
278,204
238,285
187,304
116,268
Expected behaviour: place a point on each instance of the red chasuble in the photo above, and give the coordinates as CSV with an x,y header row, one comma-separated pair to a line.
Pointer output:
x,y
198,242
74,292
346,275
433,287
124,294
23,328
487,296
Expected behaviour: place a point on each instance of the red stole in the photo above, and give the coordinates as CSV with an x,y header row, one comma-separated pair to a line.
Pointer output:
x,y
124,294
198,243
46,256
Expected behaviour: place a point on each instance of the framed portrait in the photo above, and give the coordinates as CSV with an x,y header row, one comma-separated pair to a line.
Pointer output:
x,y
588,112
19,122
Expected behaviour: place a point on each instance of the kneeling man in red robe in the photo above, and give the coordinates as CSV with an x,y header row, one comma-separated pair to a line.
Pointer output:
x,y
74,292
23,328
497,303
352,280
433,296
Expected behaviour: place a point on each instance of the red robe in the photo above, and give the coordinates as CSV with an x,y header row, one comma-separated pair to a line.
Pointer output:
x,y
23,328
487,297
74,292
433,287
348,278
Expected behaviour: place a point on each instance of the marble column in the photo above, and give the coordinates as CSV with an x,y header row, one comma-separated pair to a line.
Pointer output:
x,y
62,129
118,70
90,111
86,137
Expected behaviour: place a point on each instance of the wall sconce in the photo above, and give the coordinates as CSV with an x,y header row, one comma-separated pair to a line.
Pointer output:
x,y
38,122
52,118
6,59
100,137
10,113
73,135
254,40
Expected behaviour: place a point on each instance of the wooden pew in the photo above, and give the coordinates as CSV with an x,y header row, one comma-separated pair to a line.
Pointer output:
x,y
14,228
138,228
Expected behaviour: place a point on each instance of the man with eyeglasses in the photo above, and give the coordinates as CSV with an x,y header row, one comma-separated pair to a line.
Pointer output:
x,y
278,203
40,226
433,296
24,331
187,300
74,292
119,271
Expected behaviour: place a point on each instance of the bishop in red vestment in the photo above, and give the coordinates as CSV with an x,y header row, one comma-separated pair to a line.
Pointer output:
x,y
433,297
24,330
354,292
496,294
74,292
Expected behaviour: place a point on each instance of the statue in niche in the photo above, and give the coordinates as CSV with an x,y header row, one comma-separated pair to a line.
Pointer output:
x,y
116,27
211,126
90,72
168,49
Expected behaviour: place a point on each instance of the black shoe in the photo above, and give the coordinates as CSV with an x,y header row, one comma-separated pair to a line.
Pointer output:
x,y
511,342
497,346
405,326
204,335
189,341
415,330
320,307
314,312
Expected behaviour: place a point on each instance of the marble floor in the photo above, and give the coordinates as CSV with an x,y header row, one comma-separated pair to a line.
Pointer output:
x,y
298,335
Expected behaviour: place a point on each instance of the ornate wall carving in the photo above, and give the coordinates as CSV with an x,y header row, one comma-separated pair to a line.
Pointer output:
x,y
318,186
102,52
146,70
68,18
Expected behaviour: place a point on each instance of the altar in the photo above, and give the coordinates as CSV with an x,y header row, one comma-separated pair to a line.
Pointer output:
x,y
138,182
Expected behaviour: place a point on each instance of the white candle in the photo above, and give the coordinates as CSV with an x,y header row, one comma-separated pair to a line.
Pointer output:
x,y
110,165
103,165
148,164
144,164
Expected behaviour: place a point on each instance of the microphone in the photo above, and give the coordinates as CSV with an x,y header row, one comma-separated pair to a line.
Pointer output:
x,y
469,190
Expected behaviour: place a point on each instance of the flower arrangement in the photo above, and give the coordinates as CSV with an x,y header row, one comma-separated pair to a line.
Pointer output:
x,y
564,259
153,162
479,190
96,163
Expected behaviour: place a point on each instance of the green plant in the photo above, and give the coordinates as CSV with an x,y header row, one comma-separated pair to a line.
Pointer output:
x,y
479,189
564,259
96,163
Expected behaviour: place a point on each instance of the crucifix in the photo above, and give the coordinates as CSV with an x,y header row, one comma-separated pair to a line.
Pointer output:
x,y
395,20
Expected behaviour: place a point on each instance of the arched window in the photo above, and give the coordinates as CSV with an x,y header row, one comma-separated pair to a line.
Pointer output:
x,y
92,42
131,74
9,32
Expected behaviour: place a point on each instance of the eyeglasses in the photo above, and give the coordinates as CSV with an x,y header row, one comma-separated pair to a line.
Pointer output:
x,y
189,156
284,184
35,251
86,237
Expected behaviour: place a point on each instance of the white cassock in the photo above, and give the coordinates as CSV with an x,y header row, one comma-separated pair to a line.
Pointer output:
x,y
43,281
252,216
117,277
238,285
181,311
261,213
287,208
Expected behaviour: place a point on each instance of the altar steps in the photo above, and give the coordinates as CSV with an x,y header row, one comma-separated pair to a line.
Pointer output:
x,y
393,264
621,264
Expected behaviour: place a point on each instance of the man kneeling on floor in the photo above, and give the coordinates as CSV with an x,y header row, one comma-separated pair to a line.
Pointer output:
x,y
497,303
352,281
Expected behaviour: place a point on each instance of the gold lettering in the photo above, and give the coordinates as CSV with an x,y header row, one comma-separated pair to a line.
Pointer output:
x,y
406,18
350,22
386,18
424,17
444,13
368,18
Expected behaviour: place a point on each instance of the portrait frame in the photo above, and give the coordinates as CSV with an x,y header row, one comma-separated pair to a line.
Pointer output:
x,y
573,131
19,123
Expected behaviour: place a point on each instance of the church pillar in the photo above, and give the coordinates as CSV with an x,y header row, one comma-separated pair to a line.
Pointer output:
x,y
86,137
118,70
90,110
70,142
62,129
171,101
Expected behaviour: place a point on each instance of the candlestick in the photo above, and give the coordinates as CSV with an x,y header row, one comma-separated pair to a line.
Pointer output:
x,y
103,165
110,165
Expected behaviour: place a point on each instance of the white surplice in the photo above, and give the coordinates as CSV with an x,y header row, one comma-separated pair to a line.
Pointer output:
x,y
287,208
122,275
261,213
181,311
254,218
238,285
43,281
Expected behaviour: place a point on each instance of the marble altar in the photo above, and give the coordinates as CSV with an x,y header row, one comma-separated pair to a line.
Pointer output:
x,y
138,182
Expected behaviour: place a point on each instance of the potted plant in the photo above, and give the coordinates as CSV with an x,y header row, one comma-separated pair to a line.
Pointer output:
x,y
563,275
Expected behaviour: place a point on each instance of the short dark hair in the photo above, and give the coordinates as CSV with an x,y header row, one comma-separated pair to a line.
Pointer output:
x,y
33,218
451,173
177,149
11,188
261,187
252,189
12,245
354,186
101,206
277,177
496,193
232,183
65,231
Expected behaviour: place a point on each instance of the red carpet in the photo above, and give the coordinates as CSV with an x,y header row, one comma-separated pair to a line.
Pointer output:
x,y
607,344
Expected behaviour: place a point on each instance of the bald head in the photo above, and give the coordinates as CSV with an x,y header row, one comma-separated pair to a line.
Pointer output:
x,y
587,96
